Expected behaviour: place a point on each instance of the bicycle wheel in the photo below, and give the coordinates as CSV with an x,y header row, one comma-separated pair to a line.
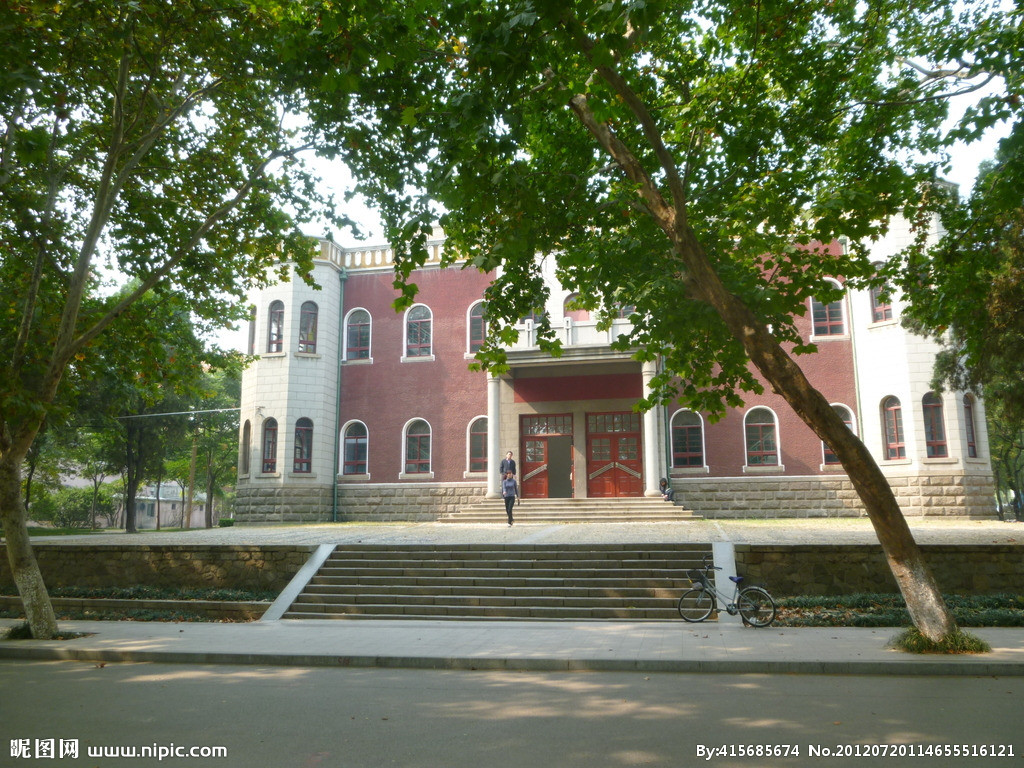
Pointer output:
x,y
696,605
756,606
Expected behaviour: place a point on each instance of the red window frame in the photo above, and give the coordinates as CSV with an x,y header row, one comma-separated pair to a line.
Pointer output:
x,y
357,335
417,448
934,427
762,440
478,445
307,327
881,310
477,327
418,332
275,327
269,456
687,440
828,318
355,449
892,418
303,461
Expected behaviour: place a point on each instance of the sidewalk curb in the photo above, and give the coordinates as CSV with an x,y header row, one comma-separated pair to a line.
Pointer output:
x,y
913,666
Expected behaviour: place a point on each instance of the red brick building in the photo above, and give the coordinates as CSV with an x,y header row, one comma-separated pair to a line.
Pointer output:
x,y
354,411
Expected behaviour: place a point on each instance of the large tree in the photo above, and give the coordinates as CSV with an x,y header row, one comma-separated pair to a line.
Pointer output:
x,y
149,139
690,157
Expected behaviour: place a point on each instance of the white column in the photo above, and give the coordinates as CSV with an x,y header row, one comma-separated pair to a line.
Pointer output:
x,y
652,451
493,435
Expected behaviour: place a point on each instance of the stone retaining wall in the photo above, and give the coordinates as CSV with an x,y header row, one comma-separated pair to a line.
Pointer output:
x,y
951,494
227,610
233,566
838,570
419,502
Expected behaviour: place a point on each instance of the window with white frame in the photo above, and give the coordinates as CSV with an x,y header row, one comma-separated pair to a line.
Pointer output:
x,y
418,332
828,319
478,445
417,448
355,450
357,335
843,413
762,440
687,440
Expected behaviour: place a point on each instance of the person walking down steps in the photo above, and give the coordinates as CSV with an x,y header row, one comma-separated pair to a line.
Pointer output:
x,y
509,492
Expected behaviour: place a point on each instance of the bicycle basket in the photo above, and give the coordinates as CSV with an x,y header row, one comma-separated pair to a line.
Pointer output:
x,y
697,577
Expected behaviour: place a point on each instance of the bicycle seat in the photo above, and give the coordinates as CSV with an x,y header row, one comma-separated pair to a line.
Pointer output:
x,y
736,579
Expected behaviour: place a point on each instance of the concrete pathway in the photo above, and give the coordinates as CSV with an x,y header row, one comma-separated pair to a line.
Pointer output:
x,y
649,646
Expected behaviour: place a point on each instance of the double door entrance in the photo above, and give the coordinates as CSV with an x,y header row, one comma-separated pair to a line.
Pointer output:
x,y
613,461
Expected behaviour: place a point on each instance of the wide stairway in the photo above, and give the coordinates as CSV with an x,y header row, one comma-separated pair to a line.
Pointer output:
x,y
628,582
617,510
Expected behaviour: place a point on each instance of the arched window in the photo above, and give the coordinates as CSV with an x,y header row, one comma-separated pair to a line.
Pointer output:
x,y
843,413
478,445
243,464
762,439
892,418
357,335
477,327
972,442
307,328
934,429
572,309
355,449
275,327
418,332
687,440
828,318
417,448
270,445
303,463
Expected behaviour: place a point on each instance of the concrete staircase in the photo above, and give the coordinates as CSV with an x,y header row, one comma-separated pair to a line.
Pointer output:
x,y
629,582
618,510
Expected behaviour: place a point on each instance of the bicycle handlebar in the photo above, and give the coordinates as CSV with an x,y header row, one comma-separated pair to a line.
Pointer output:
x,y
709,566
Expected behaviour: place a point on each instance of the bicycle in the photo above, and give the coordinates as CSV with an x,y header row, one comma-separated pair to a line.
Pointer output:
x,y
754,604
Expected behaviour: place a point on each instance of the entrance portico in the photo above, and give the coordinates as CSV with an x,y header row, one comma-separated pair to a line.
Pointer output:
x,y
573,429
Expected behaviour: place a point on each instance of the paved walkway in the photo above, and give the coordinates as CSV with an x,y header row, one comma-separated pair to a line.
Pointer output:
x,y
649,646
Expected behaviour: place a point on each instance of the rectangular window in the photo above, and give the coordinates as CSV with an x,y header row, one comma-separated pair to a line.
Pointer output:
x,y
687,450
828,318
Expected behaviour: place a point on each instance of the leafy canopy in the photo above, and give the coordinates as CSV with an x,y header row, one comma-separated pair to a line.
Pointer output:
x,y
589,130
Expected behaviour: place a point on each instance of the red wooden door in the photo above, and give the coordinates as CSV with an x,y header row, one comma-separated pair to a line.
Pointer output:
x,y
534,482
614,463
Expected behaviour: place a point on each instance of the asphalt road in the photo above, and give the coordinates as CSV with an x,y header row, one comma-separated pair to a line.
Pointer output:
x,y
301,718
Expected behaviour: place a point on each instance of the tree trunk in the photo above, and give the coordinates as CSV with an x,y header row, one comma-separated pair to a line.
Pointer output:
x,y
924,600
25,569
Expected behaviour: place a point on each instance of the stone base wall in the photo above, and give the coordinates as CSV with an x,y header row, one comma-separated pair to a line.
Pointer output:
x,y
948,494
840,570
240,567
420,502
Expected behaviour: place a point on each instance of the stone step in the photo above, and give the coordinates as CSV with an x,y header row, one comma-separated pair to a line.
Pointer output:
x,y
648,589
617,510
557,613
569,582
